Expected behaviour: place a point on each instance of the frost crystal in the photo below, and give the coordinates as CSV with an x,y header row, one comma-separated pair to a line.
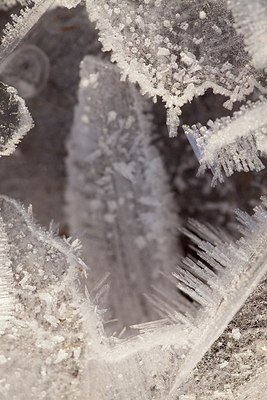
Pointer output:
x,y
210,340
175,49
42,348
15,120
119,201
232,143
22,23
52,337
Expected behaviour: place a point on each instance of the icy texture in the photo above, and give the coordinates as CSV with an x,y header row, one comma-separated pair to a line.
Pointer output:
x,y
22,23
251,21
27,69
7,295
157,363
15,120
42,349
232,143
175,49
54,343
119,201
235,366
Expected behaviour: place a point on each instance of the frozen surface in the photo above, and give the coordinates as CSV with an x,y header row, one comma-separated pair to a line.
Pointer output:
x,y
15,119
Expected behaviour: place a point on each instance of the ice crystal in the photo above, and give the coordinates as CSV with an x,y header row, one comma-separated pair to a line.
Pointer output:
x,y
22,23
15,120
207,345
44,342
158,362
175,49
232,143
118,196
52,336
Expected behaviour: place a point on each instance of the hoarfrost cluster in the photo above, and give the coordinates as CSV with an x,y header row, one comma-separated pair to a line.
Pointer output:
x,y
119,313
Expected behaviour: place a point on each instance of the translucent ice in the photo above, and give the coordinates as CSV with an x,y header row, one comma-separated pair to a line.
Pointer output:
x,y
118,198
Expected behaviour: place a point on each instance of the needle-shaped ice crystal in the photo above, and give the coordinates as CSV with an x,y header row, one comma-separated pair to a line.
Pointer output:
x,y
157,363
23,22
54,345
232,143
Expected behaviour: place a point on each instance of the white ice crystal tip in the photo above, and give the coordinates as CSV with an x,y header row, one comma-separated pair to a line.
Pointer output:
x,y
26,69
54,343
15,120
118,197
175,49
232,143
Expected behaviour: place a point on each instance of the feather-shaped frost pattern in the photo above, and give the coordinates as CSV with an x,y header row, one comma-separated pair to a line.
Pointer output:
x,y
118,198
232,143
15,119
251,22
175,49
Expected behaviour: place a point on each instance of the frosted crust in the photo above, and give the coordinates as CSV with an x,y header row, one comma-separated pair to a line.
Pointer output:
x,y
232,143
176,50
42,349
235,366
20,24
15,120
